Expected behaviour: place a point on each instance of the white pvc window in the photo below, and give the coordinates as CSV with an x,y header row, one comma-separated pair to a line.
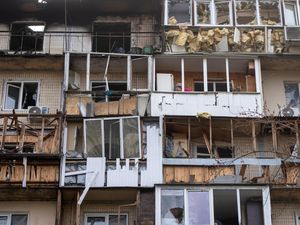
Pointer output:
x,y
21,94
105,219
178,12
258,12
113,138
205,206
213,12
13,219
291,16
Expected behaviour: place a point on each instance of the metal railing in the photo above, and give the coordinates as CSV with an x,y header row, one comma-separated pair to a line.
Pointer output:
x,y
59,42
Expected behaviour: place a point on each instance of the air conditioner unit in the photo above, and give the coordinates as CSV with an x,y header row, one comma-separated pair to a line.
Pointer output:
x,y
74,80
38,110
292,34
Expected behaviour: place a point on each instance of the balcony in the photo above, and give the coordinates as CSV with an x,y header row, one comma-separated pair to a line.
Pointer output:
x,y
195,85
58,42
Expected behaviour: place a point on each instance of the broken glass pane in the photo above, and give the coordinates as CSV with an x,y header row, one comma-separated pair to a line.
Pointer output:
x,y
246,12
76,179
112,138
179,11
222,12
172,207
96,220
199,208
13,94
269,12
19,220
29,96
131,138
203,12
3,220
93,137
292,95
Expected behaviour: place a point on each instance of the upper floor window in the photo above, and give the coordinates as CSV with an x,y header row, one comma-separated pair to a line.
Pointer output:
x,y
13,219
213,12
178,11
270,13
20,94
292,95
113,137
27,36
291,12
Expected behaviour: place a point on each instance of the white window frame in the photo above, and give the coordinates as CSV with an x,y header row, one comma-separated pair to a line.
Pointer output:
x,y
258,22
265,191
166,13
105,215
213,15
296,13
8,82
9,215
121,134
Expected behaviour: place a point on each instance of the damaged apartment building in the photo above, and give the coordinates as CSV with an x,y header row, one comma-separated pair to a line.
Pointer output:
x,y
154,112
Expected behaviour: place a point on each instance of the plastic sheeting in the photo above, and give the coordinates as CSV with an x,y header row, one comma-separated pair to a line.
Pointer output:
x,y
131,138
93,136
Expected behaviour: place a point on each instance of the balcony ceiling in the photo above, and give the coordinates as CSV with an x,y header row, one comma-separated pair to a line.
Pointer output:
x,y
20,9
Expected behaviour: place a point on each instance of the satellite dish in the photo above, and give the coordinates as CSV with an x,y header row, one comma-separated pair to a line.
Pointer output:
x,y
35,110
288,112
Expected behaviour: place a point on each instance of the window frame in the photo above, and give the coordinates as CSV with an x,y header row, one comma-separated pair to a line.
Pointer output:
x,y
213,19
5,89
42,23
10,214
123,82
122,152
265,193
166,13
105,215
284,2
258,19
291,82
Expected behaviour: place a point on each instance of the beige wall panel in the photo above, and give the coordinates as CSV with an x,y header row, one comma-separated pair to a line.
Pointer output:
x,y
38,212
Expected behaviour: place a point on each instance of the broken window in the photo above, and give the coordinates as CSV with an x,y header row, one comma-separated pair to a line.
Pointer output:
x,y
172,207
27,36
13,219
105,219
199,208
111,37
100,88
213,12
290,13
225,215
269,11
203,12
292,99
179,11
21,95
121,137
246,12
75,180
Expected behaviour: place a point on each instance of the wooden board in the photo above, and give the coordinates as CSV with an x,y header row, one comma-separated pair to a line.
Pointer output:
x,y
73,102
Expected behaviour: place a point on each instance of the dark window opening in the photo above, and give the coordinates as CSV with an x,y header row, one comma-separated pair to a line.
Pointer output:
x,y
224,152
27,37
21,95
111,37
113,86
215,86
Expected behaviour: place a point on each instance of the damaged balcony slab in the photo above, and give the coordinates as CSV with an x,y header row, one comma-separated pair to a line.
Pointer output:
x,y
225,162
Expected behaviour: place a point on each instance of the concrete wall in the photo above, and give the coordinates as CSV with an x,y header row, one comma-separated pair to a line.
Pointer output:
x,y
284,213
38,212
273,88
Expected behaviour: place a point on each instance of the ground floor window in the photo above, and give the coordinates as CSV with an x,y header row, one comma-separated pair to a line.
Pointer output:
x,y
13,219
105,219
213,205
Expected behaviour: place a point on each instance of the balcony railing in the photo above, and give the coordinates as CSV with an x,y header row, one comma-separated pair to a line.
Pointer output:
x,y
30,135
58,42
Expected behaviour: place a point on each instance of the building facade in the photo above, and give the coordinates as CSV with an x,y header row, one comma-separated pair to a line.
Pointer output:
x,y
159,112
